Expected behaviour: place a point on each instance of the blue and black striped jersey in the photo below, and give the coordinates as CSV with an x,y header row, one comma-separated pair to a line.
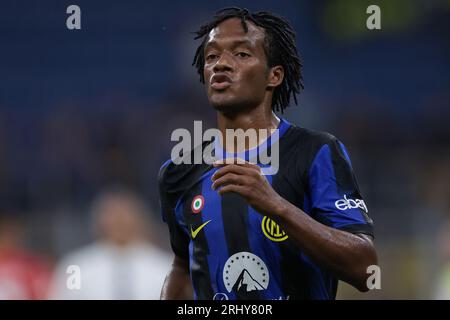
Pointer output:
x,y
237,253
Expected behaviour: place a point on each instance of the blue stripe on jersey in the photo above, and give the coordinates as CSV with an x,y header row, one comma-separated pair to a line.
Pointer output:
x,y
268,251
324,192
344,150
191,263
215,235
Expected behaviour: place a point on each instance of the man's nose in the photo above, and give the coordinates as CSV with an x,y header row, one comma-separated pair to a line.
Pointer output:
x,y
223,64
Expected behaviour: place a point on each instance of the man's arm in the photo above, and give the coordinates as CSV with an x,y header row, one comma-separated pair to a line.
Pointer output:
x,y
177,285
344,254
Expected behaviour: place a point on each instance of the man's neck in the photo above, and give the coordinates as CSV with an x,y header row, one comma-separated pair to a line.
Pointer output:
x,y
256,119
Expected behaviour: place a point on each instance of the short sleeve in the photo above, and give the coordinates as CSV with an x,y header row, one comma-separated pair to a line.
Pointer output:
x,y
179,240
334,194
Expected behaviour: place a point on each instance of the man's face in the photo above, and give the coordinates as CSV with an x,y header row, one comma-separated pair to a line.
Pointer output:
x,y
235,68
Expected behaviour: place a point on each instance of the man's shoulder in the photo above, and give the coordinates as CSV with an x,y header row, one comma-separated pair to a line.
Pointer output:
x,y
307,141
177,175
299,149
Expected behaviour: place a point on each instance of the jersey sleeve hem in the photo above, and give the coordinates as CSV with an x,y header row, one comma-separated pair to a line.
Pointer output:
x,y
363,228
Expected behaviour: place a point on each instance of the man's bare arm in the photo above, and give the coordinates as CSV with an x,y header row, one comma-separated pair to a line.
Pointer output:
x,y
345,254
177,285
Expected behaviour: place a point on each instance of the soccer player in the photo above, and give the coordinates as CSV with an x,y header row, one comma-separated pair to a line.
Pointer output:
x,y
239,234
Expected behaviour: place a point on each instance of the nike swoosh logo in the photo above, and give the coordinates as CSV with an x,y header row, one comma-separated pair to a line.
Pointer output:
x,y
196,231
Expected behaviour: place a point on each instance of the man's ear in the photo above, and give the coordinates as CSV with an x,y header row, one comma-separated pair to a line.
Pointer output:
x,y
275,77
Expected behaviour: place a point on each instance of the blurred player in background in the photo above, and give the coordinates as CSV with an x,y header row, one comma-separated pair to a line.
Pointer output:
x,y
122,263
24,275
236,233
442,286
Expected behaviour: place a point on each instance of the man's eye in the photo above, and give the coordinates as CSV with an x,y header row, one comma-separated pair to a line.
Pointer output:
x,y
211,56
243,54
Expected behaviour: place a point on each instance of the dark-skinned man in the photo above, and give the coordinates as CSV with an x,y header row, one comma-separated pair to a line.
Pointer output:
x,y
238,233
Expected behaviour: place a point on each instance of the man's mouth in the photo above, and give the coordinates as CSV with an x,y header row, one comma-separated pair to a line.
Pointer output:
x,y
220,82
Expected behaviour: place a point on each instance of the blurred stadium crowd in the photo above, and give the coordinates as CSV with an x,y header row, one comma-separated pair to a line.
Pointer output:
x,y
86,118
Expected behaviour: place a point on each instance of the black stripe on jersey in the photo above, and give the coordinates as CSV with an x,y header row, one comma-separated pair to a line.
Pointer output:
x,y
294,280
294,276
200,269
235,218
346,181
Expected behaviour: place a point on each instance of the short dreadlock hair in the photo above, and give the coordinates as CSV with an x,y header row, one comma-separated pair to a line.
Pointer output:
x,y
279,46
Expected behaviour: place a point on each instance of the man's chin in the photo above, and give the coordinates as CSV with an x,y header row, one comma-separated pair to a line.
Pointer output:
x,y
225,104
223,107
230,108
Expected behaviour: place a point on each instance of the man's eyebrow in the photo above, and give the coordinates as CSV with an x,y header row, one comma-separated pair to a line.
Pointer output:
x,y
235,43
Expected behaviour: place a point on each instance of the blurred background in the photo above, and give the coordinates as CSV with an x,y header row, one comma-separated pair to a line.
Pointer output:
x,y
86,117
